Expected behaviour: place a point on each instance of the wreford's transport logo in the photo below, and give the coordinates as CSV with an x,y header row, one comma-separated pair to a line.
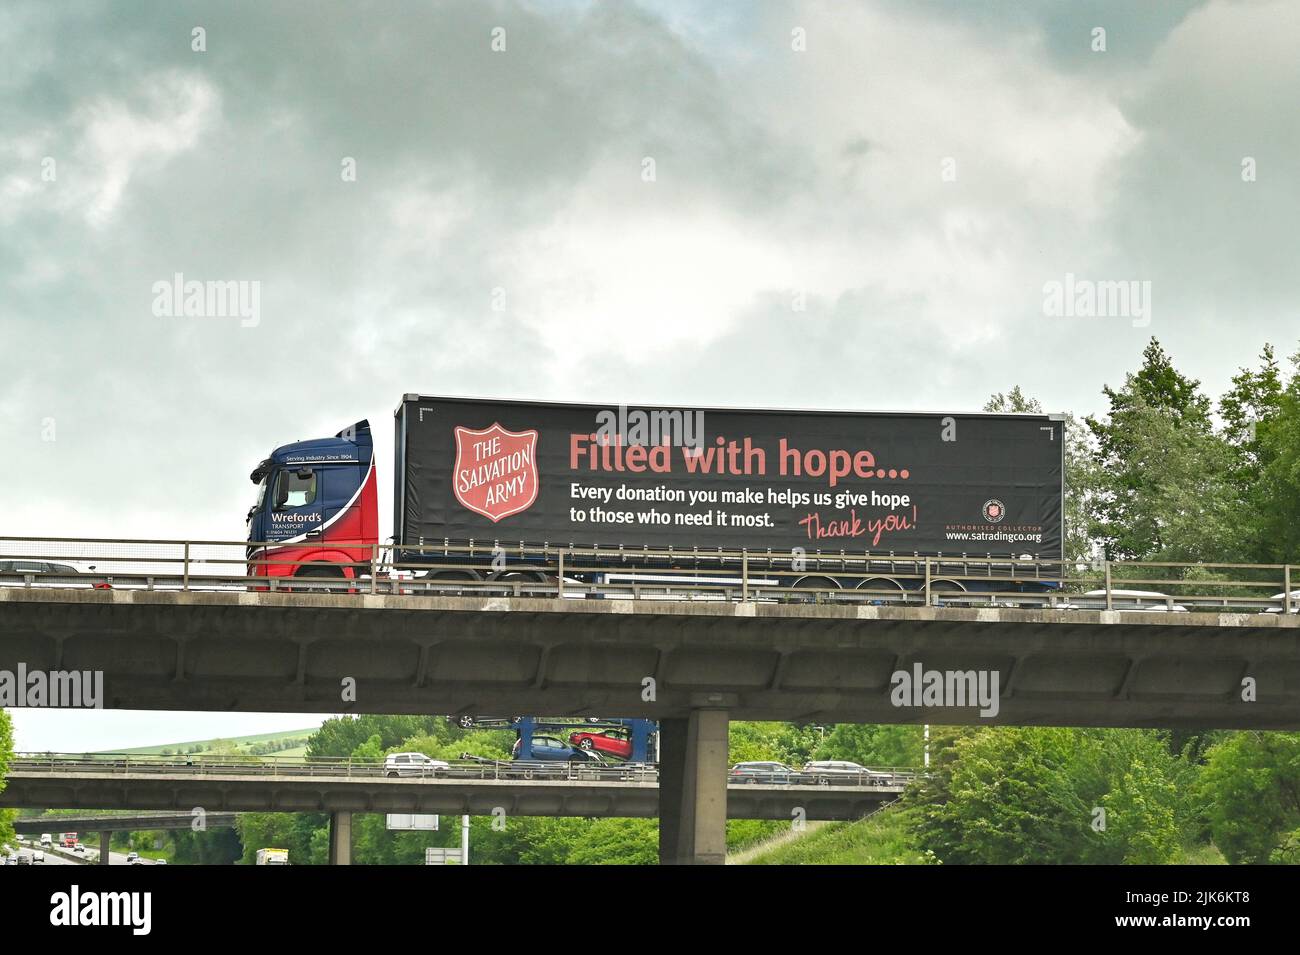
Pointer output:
x,y
496,471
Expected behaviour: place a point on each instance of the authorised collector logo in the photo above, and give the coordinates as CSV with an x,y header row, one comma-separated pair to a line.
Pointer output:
x,y
994,511
496,471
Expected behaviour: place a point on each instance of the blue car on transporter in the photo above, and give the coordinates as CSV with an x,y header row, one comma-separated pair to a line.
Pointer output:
x,y
553,749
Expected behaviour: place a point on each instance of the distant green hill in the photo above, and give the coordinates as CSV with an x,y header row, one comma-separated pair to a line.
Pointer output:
x,y
282,743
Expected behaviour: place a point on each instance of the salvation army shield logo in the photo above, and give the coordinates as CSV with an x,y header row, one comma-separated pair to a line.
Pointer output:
x,y
994,511
496,471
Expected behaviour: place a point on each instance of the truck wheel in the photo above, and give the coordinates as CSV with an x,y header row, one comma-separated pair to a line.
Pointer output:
x,y
322,573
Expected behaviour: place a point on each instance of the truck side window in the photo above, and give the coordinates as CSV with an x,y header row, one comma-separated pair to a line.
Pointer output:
x,y
294,491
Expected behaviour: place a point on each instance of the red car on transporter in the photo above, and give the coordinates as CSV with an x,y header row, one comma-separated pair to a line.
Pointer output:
x,y
614,742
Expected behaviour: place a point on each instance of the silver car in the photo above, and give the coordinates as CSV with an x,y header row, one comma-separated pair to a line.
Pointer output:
x,y
839,772
414,764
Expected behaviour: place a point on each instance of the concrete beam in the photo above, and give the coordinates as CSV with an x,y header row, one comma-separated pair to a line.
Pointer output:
x,y
341,838
105,845
693,800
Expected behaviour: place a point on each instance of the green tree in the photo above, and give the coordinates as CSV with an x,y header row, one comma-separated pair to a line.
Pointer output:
x,y
1251,785
1162,477
1014,795
1275,497
617,842
1252,403
874,745
7,816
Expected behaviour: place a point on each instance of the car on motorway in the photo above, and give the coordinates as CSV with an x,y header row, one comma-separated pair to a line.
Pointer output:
x,y
79,849
132,858
38,857
46,840
1130,601
769,772
414,764
1278,598
613,742
830,772
48,573
24,857
467,722
554,749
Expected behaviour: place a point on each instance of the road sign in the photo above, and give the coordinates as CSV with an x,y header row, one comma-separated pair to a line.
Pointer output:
x,y
406,820
443,857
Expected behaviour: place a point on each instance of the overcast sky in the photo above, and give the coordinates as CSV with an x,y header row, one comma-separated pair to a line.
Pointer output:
x,y
852,205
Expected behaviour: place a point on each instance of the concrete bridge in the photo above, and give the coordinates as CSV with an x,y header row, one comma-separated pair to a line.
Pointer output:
x,y
693,665
67,783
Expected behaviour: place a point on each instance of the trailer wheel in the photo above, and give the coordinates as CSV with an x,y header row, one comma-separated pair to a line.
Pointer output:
x,y
452,576
524,578
887,588
942,586
822,583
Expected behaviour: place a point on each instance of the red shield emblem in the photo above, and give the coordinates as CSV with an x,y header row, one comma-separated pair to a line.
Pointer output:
x,y
496,471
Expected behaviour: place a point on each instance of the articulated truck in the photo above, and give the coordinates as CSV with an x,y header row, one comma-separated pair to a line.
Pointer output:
x,y
488,490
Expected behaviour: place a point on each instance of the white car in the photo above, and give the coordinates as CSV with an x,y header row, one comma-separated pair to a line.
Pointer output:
x,y
414,764
133,858
1130,601
79,849
1295,602
38,857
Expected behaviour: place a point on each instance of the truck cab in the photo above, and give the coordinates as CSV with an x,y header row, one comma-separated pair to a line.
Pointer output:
x,y
316,510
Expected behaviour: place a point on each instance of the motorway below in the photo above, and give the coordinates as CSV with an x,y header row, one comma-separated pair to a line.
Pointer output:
x,y
91,784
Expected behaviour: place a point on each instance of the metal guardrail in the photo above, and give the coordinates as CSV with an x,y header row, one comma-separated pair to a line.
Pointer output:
x,y
467,769
554,571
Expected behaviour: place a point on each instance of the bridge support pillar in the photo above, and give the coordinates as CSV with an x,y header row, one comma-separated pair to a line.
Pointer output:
x,y
693,789
104,854
340,838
